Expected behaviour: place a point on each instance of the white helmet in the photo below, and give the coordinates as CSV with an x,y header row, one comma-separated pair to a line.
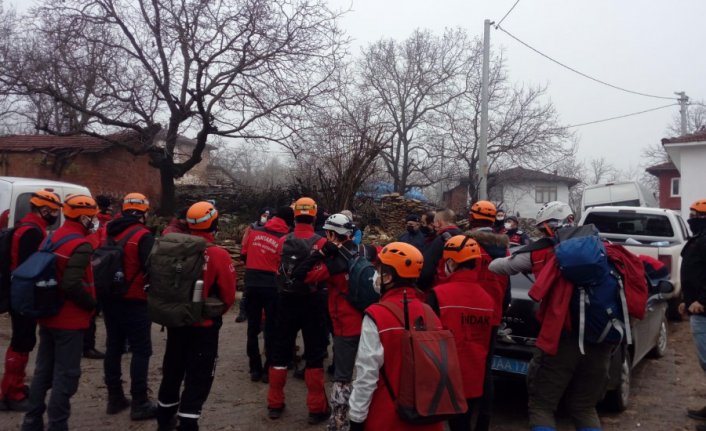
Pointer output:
x,y
553,211
340,224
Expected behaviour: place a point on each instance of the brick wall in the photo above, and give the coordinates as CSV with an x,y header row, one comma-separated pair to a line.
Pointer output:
x,y
114,172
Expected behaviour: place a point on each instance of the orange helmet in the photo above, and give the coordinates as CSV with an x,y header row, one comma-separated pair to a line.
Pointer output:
x,y
77,205
483,210
45,198
461,248
201,216
136,202
304,206
406,259
699,206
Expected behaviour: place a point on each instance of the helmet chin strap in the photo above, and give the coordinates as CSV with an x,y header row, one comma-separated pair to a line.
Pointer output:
x,y
549,229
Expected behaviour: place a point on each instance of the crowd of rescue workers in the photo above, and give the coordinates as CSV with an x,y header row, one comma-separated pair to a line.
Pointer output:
x,y
411,325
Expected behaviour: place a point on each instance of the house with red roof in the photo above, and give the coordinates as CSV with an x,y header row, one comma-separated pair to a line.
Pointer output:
x,y
669,185
688,153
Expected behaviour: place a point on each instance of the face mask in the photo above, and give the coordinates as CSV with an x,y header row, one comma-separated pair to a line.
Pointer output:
x,y
95,224
426,230
697,225
263,220
447,269
500,218
377,283
508,226
51,219
411,229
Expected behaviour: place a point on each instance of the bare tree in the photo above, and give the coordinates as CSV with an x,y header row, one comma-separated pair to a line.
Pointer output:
x,y
524,128
695,119
410,81
238,68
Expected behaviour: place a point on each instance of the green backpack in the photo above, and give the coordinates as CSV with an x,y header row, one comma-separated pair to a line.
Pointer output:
x,y
175,264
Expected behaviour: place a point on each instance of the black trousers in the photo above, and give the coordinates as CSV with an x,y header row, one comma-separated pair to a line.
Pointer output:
x,y
300,312
190,358
24,333
260,298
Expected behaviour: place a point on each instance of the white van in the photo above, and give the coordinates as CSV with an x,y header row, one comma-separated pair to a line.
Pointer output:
x,y
625,193
15,193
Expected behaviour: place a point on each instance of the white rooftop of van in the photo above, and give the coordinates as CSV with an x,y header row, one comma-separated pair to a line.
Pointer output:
x,y
21,181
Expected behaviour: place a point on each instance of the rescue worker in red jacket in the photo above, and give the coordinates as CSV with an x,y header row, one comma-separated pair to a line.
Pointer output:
x,y
126,318
191,352
550,377
265,215
260,255
493,246
371,406
300,307
445,228
467,310
58,364
346,320
30,231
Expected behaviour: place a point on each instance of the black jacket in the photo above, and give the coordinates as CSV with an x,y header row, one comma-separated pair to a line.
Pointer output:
x,y
693,270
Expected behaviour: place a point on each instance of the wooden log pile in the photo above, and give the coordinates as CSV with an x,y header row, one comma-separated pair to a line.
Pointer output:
x,y
388,222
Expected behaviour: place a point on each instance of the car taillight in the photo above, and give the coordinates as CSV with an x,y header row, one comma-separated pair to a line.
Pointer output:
x,y
667,261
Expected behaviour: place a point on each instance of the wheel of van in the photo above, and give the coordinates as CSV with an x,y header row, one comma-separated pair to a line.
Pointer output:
x,y
617,399
660,347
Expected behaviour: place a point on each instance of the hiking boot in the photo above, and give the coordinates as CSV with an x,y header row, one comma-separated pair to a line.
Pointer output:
x,y
143,410
116,401
275,413
17,405
700,427
242,317
317,418
255,376
93,354
265,378
169,427
699,414
299,373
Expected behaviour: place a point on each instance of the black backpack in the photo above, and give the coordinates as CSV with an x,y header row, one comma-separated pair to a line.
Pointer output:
x,y
5,258
108,268
361,288
294,251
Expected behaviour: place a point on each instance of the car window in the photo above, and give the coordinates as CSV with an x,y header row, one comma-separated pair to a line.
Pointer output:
x,y
22,208
631,223
684,229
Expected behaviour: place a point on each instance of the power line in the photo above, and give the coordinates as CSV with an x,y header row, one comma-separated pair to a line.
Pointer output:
x,y
622,116
508,13
579,72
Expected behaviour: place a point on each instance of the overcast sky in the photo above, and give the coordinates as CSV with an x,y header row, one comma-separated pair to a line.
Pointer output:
x,y
649,46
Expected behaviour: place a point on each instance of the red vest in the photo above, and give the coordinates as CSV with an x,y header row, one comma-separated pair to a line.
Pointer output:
x,y
131,262
33,218
217,271
494,284
70,316
467,310
382,414
539,259
345,319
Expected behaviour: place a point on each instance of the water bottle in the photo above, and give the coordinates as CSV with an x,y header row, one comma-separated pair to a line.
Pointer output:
x,y
198,292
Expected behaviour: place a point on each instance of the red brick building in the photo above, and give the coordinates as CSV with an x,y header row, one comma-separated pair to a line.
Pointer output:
x,y
103,167
669,185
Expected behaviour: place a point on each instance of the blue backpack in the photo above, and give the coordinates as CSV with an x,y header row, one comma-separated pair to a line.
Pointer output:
x,y
34,290
361,291
598,304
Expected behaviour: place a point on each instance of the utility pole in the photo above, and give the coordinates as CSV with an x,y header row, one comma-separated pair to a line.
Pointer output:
x,y
483,147
683,100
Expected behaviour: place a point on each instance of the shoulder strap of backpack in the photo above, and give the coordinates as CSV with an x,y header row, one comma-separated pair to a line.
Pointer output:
x,y
386,380
127,237
395,310
52,247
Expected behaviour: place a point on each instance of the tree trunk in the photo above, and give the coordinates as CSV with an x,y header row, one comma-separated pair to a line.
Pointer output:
x,y
167,204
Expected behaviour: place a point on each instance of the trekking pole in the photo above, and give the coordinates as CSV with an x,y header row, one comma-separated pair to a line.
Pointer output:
x,y
405,309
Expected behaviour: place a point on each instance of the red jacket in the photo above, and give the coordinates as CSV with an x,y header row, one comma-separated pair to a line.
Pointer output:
x,y
345,319
218,273
33,219
71,316
467,311
261,245
131,262
103,219
175,226
382,414
554,294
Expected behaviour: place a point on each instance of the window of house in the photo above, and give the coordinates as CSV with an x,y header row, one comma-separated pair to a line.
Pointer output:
x,y
544,194
675,192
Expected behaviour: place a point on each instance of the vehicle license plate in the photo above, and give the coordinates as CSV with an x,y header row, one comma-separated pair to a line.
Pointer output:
x,y
509,365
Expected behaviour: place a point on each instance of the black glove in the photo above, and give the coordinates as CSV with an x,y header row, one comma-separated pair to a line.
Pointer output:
x,y
299,273
329,249
356,426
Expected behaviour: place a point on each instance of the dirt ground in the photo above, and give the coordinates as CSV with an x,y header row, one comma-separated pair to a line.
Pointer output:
x,y
661,390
